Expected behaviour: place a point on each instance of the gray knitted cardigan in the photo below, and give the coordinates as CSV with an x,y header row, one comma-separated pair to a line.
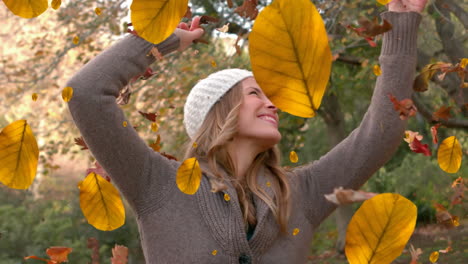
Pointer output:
x,y
179,228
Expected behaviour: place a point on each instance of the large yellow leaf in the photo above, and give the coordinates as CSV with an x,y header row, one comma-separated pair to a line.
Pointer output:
x,y
189,176
100,203
18,155
449,155
27,8
155,20
380,229
290,55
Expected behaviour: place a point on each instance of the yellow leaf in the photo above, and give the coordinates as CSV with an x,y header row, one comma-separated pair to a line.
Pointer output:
x,y
100,203
227,198
377,70
290,55
293,157
154,127
34,97
124,123
295,231
67,94
98,11
56,4
449,155
380,229
189,176
213,64
27,8
463,63
19,155
434,257
155,20
384,2
224,28
194,145
268,184
76,40
214,252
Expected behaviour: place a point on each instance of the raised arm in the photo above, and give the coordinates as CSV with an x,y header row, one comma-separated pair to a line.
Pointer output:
x,y
352,162
131,164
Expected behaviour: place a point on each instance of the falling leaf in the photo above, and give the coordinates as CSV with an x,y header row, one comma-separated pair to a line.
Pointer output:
x,y
293,157
150,116
80,142
369,29
214,252
459,189
27,8
213,64
248,9
449,155
124,123
342,196
156,54
417,147
194,145
371,233
229,3
154,127
434,129
55,4
208,19
99,170
67,94
377,70
268,184
295,231
188,13
119,255
434,257
98,11
415,253
19,155
463,63
155,20
168,156
93,244
384,2
58,254
444,217
410,136
189,176
442,113
34,97
227,198
224,28
100,203
292,63
76,40
156,146
421,82
405,107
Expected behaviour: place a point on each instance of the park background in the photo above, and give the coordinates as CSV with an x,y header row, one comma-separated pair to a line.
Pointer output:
x,y
39,55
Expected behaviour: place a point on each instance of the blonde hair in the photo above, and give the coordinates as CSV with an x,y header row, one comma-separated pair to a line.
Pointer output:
x,y
220,127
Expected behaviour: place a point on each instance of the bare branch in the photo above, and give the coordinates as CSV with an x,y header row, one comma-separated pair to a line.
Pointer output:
x,y
427,114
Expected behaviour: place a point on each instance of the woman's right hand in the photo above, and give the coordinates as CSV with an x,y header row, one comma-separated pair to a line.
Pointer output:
x,y
188,33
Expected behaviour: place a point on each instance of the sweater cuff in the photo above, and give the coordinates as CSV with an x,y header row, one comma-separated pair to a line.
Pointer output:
x,y
168,45
402,38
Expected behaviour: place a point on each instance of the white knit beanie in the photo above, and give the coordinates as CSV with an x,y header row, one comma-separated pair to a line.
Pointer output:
x,y
206,93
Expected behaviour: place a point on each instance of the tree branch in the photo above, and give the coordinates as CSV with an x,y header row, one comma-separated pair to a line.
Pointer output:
x,y
427,114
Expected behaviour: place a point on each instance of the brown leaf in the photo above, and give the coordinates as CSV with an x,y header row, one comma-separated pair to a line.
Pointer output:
x,y
208,19
93,244
188,13
421,82
119,255
156,146
405,107
342,196
80,142
444,217
248,9
229,3
373,28
150,116
169,156
442,113
459,189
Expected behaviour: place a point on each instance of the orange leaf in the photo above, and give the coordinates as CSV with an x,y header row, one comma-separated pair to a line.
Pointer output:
x,y
459,188
442,113
169,156
119,255
38,258
405,107
434,129
59,254
248,9
156,146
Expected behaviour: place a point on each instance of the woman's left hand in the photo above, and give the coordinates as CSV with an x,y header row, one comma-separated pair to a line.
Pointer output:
x,y
188,33
407,5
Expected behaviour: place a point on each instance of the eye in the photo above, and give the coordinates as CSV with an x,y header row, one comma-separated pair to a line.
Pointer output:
x,y
253,92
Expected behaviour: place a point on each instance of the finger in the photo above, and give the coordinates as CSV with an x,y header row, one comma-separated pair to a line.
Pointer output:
x,y
197,33
183,26
195,23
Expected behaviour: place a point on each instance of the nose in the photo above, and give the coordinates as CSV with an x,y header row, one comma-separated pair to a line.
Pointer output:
x,y
270,105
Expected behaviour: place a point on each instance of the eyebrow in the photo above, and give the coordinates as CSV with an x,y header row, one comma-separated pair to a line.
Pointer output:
x,y
255,88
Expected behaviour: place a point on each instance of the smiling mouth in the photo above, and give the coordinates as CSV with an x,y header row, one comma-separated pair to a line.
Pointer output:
x,y
269,119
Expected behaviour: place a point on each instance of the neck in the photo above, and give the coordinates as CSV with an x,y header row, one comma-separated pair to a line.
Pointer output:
x,y
243,154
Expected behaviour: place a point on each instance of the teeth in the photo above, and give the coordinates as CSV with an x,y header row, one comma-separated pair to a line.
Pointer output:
x,y
268,118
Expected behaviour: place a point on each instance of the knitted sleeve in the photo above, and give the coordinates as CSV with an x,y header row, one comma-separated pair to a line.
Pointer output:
x,y
352,162
121,152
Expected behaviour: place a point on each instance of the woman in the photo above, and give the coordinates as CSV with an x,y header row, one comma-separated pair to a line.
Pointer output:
x,y
247,210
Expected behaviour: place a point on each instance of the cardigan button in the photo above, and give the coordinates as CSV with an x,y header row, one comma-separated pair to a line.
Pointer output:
x,y
245,259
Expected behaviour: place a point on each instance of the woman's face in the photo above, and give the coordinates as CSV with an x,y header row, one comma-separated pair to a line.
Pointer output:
x,y
258,117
